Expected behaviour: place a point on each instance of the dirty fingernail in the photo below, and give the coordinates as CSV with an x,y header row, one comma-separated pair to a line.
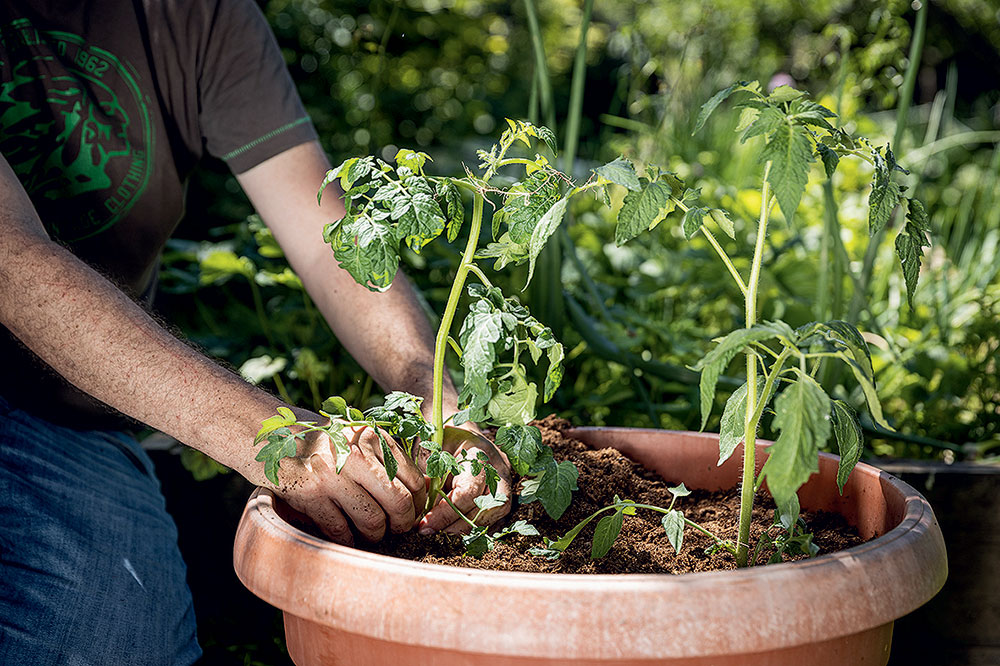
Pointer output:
x,y
425,531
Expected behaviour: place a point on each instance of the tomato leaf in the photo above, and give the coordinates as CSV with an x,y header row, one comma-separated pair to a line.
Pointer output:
x,y
620,172
642,209
885,193
910,244
522,444
546,226
607,530
673,525
790,152
847,430
712,365
802,415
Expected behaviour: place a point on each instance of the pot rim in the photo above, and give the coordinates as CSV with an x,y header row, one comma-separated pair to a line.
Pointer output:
x,y
676,604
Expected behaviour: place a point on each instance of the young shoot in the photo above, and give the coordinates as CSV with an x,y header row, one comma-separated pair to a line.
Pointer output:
x,y
389,205
610,526
793,132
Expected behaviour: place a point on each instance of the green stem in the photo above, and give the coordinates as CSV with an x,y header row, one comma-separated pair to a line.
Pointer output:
x,y
725,259
718,249
282,391
658,509
258,304
461,515
478,272
750,431
541,67
444,330
772,376
576,92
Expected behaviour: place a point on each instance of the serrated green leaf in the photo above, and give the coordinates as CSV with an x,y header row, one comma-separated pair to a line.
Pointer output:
x,y
341,447
693,219
333,174
523,528
411,159
561,544
673,525
829,157
546,135
885,193
478,336
807,112
712,365
724,221
281,444
281,420
783,94
525,204
477,542
487,502
441,463
802,415
368,251
388,460
679,491
354,171
732,427
554,374
642,209
514,404
854,351
766,120
788,511
607,530
790,152
522,445
555,488
910,244
454,209
847,430
713,103
620,172
546,226
422,221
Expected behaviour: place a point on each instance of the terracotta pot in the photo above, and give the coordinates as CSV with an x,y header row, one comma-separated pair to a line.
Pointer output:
x,y
345,606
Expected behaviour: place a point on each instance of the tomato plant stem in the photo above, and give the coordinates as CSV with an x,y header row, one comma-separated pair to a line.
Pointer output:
x,y
750,431
441,341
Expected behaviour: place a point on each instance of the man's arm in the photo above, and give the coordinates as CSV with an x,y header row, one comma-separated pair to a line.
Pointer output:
x,y
106,345
385,332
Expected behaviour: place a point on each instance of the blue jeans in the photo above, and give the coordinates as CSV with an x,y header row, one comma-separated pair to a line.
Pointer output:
x,y
90,572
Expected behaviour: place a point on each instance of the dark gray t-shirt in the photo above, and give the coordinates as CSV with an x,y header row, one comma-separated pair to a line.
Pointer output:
x,y
105,108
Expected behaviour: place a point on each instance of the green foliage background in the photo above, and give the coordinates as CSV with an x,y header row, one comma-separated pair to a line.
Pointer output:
x,y
441,75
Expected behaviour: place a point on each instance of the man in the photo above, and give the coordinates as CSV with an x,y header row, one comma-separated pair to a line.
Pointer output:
x,y
105,107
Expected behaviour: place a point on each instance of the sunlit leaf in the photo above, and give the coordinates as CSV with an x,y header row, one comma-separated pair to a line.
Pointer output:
x,y
802,415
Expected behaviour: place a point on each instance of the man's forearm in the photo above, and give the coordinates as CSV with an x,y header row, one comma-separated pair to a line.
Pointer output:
x,y
106,345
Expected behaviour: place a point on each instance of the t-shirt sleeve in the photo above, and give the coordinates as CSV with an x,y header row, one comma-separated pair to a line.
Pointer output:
x,y
248,108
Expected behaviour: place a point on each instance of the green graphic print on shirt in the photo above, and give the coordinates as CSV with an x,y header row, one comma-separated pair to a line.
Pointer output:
x,y
75,127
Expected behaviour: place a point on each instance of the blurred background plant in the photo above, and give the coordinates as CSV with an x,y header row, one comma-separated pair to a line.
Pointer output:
x,y
440,75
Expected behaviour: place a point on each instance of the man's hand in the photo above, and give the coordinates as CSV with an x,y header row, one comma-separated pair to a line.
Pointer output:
x,y
465,488
361,493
